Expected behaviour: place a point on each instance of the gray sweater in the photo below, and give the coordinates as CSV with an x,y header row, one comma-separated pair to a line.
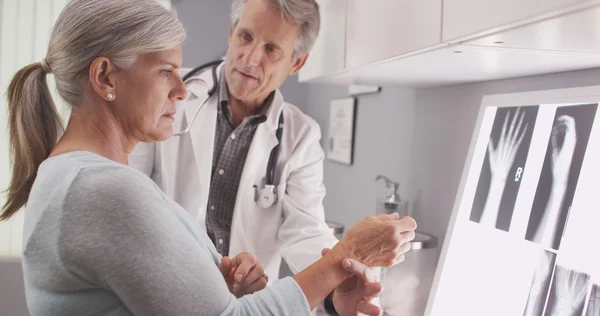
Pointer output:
x,y
101,238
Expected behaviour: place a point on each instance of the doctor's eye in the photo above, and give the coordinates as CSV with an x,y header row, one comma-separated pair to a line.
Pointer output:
x,y
246,37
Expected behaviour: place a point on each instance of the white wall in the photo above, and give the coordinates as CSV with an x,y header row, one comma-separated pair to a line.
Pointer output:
x,y
383,134
419,137
25,28
443,127
207,26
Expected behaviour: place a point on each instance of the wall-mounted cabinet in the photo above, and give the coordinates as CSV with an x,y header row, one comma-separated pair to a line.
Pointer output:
x,y
381,29
464,18
327,56
433,43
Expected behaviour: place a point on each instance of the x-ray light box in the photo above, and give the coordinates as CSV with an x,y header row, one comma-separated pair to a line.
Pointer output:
x,y
523,237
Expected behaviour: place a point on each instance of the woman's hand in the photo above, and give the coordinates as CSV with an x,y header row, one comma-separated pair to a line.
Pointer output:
x,y
377,241
243,274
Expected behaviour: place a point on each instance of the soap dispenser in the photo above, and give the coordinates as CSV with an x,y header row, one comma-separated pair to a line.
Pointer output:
x,y
391,202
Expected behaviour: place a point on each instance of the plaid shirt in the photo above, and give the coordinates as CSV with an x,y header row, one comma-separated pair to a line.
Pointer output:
x,y
229,156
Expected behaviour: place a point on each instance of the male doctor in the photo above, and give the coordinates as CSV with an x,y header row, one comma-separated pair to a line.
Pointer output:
x,y
217,170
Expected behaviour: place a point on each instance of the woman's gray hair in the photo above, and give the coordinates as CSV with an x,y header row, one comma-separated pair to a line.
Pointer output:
x,y
304,13
120,30
117,29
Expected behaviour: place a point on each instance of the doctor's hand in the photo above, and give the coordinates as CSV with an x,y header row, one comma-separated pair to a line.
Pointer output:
x,y
354,295
243,274
377,241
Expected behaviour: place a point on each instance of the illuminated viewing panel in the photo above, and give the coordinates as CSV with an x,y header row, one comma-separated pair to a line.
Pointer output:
x,y
523,238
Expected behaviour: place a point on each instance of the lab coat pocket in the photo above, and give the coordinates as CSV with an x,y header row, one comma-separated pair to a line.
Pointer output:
x,y
267,222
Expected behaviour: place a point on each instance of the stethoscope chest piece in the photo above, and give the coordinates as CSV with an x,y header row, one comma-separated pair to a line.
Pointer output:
x,y
266,196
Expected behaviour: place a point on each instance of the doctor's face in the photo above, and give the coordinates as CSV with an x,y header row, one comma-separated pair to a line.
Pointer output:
x,y
260,53
145,95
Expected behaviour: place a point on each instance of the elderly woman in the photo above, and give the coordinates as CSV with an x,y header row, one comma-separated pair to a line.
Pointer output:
x,y
101,238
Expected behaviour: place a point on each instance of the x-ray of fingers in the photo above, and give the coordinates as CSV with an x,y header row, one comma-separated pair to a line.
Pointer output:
x,y
504,166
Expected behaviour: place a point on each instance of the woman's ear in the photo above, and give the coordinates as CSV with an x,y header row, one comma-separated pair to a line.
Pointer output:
x,y
103,78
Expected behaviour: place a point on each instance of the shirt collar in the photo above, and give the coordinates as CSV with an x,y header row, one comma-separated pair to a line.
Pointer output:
x,y
226,107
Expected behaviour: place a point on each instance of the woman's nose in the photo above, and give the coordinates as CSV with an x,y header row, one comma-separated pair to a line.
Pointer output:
x,y
179,93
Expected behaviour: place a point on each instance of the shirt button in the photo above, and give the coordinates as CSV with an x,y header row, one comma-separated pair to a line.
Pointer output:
x,y
221,172
212,207
220,241
232,136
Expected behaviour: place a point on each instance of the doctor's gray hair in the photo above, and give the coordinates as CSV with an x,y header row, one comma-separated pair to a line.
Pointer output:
x,y
119,30
304,13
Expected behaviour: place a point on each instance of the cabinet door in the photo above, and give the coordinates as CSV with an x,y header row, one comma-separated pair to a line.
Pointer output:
x,y
466,17
380,29
327,55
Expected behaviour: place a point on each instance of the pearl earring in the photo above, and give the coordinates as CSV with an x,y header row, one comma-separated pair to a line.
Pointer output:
x,y
110,96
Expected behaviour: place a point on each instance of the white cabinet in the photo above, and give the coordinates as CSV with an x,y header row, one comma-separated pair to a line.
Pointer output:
x,y
328,53
435,42
467,17
380,29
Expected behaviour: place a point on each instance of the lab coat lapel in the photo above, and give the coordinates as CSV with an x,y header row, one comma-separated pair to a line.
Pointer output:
x,y
255,168
202,133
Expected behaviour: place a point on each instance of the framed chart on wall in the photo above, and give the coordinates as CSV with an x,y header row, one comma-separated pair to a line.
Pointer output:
x,y
522,239
340,140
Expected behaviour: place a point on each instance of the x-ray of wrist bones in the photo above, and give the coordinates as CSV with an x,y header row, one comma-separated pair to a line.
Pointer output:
x,y
501,159
562,156
569,292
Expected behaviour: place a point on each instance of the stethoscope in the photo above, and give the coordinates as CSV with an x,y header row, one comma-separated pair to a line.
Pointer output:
x,y
265,197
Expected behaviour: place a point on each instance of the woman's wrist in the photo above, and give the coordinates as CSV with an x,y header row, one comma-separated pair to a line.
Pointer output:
x,y
322,277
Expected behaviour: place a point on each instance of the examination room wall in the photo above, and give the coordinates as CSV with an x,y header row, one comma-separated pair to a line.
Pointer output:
x,y
419,137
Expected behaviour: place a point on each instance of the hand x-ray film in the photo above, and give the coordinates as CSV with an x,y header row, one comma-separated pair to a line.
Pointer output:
x,y
522,240
593,308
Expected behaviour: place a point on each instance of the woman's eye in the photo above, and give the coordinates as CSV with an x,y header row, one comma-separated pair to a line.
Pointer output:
x,y
165,72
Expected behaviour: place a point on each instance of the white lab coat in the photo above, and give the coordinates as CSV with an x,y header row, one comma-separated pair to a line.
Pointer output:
x,y
294,228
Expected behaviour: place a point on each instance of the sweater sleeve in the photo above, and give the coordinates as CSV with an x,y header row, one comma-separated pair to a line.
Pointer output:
x,y
120,233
